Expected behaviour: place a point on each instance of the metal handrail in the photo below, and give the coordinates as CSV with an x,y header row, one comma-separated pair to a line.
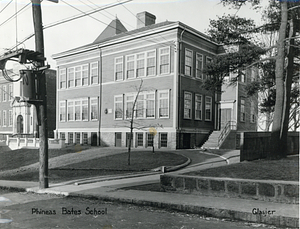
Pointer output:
x,y
230,125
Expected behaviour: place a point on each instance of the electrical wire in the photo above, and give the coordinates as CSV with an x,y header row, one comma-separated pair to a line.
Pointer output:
x,y
14,15
6,6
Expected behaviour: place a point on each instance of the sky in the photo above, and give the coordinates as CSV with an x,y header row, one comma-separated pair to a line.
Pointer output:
x,y
82,31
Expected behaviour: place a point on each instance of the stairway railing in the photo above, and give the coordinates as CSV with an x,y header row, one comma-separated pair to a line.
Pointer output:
x,y
230,125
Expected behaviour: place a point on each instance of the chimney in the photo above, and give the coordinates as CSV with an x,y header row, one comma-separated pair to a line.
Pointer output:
x,y
145,19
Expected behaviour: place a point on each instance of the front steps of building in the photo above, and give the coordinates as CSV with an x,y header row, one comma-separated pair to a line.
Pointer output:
x,y
212,141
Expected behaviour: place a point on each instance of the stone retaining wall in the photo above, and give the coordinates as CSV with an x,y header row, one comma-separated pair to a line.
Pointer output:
x,y
274,191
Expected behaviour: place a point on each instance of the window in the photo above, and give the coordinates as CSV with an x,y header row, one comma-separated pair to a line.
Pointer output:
x,y
188,62
164,140
139,137
77,138
208,108
10,92
10,118
77,110
150,105
84,138
4,93
140,106
243,76
62,111
0,118
198,107
70,138
119,68
208,60
84,107
119,107
1,93
77,76
164,60
4,118
151,60
149,139
140,65
94,73
243,114
199,66
129,105
62,135
163,104
62,78
70,110
187,114
71,77
94,108
130,67
85,75
252,113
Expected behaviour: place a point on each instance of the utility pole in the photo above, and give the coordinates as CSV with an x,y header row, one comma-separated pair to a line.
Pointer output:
x,y
41,107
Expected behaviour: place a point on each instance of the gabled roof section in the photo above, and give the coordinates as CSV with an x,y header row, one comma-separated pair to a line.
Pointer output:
x,y
114,28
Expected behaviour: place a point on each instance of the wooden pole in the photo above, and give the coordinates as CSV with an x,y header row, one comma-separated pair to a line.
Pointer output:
x,y
42,95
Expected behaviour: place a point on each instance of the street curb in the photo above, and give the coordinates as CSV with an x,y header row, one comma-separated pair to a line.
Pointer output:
x,y
203,211
174,168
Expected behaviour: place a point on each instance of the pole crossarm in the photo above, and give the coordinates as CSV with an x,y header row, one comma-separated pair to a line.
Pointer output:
x,y
22,55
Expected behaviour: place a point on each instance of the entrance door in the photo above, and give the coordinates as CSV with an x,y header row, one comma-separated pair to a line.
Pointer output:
x,y
94,139
20,124
225,116
118,139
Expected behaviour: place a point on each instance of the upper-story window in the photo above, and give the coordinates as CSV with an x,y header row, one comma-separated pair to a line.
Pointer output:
x,y
119,107
208,108
198,107
94,73
164,60
70,110
163,104
77,76
140,106
187,114
84,109
85,75
150,104
130,67
151,63
62,111
119,68
10,118
199,66
62,78
4,118
140,65
252,113
1,93
10,92
94,108
208,61
188,62
242,111
70,77
4,92
129,105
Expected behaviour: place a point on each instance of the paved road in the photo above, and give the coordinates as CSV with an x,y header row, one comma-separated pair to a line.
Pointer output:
x,y
32,211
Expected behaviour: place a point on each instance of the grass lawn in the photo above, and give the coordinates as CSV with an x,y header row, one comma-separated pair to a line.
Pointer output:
x,y
284,169
109,165
12,159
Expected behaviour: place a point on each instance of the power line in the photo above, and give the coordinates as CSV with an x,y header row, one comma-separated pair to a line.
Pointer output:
x,y
6,6
14,15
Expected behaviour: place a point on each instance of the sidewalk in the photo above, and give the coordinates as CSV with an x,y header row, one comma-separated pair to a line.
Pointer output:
x,y
286,215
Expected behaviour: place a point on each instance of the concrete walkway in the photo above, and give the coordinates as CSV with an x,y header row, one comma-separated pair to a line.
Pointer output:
x,y
286,215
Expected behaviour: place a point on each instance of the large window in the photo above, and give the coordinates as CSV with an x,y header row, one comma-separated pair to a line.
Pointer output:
x,y
187,105
150,105
129,105
140,65
140,138
188,62
62,78
94,108
77,76
208,108
140,108
151,63
4,93
84,111
119,107
70,110
4,118
163,104
208,61
10,92
85,75
62,111
164,60
119,68
77,110
242,111
70,77
94,73
164,140
70,138
149,139
199,66
10,118
130,67
198,107
252,113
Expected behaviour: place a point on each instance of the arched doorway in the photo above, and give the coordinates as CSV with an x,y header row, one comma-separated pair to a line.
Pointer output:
x,y
20,124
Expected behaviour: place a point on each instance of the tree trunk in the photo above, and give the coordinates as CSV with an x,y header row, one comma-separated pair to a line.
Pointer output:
x,y
278,139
